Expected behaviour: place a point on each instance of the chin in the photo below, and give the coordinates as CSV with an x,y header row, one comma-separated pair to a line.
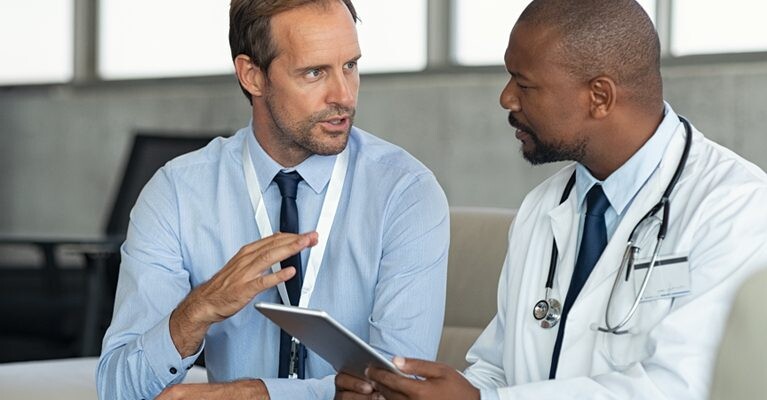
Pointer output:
x,y
329,144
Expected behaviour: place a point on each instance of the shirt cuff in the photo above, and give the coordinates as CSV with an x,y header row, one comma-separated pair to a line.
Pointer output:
x,y
162,355
300,388
489,394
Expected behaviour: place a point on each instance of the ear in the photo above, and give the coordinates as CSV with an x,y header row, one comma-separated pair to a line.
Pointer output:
x,y
251,77
602,94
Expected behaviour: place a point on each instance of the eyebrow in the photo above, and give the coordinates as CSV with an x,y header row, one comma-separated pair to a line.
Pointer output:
x,y
516,74
324,66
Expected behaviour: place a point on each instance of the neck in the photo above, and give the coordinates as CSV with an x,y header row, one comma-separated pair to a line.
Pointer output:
x,y
285,152
610,149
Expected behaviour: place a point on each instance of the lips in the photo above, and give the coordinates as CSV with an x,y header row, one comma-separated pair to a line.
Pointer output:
x,y
336,123
336,120
522,130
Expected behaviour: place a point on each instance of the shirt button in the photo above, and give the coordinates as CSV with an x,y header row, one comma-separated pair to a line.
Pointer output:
x,y
173,370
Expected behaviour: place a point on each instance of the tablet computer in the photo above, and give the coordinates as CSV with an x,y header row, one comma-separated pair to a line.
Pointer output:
x,y
318,331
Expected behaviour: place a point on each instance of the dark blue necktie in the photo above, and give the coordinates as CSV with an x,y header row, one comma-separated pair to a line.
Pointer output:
x,y
288,184
593,242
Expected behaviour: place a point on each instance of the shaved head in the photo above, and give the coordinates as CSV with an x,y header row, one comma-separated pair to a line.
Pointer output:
x,y
614,38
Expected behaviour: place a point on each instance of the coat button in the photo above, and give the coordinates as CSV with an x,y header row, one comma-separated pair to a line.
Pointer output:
x,y
173,370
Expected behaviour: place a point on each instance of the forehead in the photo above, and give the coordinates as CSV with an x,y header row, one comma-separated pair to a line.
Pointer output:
x,y
533,50
315,32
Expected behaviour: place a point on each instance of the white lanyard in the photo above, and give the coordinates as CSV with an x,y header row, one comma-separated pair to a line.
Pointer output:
x,y
327,215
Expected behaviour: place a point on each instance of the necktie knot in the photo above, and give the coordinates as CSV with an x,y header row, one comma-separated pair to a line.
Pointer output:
x,y
596,201
288,183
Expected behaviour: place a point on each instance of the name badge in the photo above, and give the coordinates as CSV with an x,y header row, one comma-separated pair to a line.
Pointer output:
x,y
670,277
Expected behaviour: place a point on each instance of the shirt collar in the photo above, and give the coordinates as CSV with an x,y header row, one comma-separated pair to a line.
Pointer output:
x,y
315,170
622,185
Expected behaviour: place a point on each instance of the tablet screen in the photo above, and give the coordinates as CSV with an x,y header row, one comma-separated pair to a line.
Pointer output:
x,y
318,331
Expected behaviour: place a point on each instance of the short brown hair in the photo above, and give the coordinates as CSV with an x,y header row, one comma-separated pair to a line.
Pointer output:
x,y
250,30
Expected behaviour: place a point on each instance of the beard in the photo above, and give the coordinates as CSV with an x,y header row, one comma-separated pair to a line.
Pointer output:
x,y
543,152
298,133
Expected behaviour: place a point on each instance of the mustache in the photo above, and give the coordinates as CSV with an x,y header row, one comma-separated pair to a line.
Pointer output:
x,y
522,127
333,111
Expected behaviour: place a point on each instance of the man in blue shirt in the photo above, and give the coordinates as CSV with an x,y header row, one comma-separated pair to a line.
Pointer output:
x,y
199,241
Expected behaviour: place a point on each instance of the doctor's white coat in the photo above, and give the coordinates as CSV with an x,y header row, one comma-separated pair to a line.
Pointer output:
x,y
718,219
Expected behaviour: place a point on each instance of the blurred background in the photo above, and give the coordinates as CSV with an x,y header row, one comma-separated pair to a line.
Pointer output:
x,y
79,79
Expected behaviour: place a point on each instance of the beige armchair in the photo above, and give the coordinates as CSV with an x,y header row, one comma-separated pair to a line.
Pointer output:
x,y
478,242
741,368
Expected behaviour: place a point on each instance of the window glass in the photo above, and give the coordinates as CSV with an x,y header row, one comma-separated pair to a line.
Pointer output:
x,y
392,35
705,27
481,28
36,38
150,38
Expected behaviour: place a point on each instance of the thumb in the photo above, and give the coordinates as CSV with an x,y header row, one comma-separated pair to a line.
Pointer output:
x,y
422,368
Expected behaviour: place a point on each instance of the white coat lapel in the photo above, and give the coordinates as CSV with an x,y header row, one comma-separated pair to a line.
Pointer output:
x,y
564,226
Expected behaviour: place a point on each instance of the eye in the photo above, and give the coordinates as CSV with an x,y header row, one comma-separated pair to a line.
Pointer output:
x,y
313,73
523,87
350,65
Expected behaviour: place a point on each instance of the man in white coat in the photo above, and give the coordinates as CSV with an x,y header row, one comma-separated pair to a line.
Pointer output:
x,y
585,86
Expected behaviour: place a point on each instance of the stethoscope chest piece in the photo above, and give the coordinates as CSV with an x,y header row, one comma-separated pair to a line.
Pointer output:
x,y
548,312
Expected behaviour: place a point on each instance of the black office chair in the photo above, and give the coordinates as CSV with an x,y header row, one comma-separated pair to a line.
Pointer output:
x,y
87,295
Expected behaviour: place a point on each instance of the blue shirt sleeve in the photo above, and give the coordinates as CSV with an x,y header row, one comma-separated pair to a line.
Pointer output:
x,y
409,303
138,358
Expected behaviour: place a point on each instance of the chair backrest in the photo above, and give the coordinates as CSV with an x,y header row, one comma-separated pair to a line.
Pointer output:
x,y
148,153
478,243
742,363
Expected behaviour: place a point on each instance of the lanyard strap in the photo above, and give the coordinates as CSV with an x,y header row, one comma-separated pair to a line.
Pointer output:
x,y
325,223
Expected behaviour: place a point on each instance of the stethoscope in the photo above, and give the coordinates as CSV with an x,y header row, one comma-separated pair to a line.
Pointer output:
x,y
549,310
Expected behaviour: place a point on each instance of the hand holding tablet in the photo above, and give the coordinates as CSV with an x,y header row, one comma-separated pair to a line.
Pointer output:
x,y
330,340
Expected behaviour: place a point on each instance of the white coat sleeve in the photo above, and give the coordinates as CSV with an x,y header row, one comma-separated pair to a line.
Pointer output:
x,y
727,245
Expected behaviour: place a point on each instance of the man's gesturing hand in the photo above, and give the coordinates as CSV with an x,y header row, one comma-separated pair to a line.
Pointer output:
x,y
233,287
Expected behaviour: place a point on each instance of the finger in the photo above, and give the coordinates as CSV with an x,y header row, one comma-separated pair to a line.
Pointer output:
x,y
349,395
278,251
275,239
346,395
263,282
354,384
393,382
385,393
423,368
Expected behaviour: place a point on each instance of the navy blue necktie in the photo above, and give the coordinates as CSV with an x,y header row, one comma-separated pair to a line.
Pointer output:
x,y
288,184
593,242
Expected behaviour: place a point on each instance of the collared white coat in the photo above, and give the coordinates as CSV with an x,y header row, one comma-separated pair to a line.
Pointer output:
x,y
718,219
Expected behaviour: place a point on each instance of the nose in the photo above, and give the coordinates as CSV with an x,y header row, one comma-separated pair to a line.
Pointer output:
x,y
343,90
509,99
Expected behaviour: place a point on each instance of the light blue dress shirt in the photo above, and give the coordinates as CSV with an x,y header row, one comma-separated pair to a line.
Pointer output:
x,y
383,275
620,188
